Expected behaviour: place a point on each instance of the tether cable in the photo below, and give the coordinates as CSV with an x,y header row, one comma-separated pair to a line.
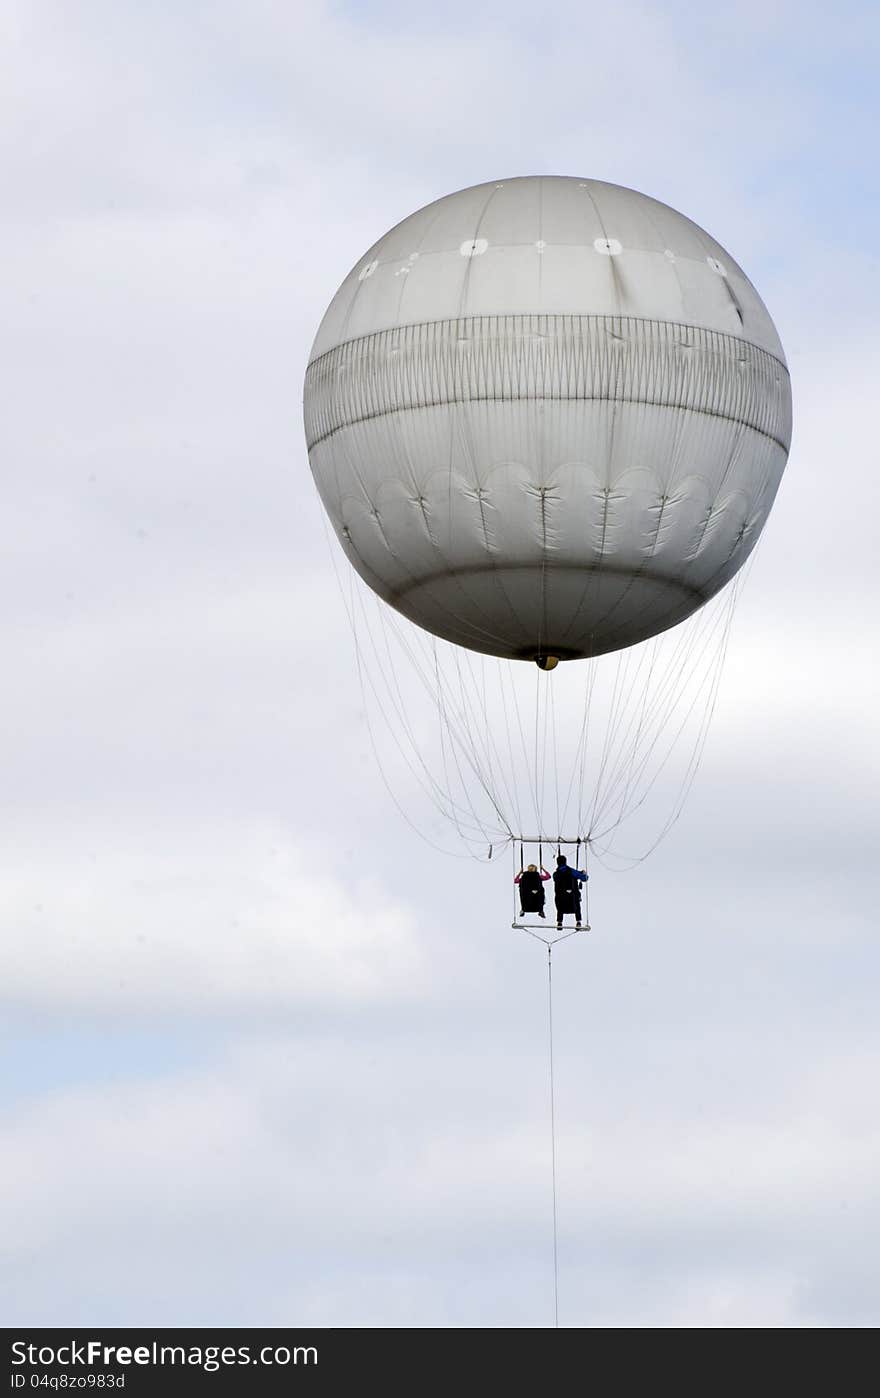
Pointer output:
x,y
553,1138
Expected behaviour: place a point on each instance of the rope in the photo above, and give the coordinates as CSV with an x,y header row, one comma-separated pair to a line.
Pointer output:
x,y
553,1138
613,736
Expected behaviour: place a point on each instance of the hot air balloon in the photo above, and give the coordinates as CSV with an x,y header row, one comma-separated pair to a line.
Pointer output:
x,y
547,418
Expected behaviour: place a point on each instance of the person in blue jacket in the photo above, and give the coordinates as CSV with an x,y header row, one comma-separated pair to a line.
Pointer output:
x,y
567,886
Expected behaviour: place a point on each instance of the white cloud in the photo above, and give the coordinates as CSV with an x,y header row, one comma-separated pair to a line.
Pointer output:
x,y
189,785
313,1167
232,922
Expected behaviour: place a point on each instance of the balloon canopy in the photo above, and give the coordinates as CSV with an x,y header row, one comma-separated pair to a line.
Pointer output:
x,y
547,417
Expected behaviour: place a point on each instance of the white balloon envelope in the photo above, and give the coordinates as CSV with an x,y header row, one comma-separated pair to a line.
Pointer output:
x,y
547,417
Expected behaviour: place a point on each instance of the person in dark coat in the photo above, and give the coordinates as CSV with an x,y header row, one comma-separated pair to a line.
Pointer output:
x,y
567,887
531,890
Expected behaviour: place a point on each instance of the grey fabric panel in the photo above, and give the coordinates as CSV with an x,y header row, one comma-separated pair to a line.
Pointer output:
x,y
623,607
612,358
478,492
530,247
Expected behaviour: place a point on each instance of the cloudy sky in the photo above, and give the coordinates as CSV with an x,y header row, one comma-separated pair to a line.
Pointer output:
x,y
268,1058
